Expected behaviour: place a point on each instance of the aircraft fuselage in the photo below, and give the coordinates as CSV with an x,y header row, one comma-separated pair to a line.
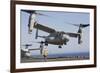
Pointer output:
x,y
56,39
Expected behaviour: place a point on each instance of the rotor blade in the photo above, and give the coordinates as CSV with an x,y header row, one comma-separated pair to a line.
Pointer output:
x,y
29,11
27,45
34,49
44,28
39,42
42,14
76,25
33,11
79,25
72,24
84,25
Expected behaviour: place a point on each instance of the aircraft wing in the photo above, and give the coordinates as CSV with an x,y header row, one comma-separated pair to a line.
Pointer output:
x,y
72,34
44,28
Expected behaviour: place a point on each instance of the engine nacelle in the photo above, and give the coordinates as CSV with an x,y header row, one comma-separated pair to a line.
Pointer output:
x,y
80,36
32,22
79,39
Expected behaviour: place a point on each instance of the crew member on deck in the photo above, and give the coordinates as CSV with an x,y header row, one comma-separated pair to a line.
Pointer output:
x,y
45,53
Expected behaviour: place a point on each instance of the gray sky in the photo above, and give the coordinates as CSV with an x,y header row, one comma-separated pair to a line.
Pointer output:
x,y
58,21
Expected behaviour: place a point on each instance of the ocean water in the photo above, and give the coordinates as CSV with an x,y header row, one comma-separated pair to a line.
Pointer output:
x,y
85,54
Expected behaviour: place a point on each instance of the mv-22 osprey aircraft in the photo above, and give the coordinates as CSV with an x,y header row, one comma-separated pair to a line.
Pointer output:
x,y
54,37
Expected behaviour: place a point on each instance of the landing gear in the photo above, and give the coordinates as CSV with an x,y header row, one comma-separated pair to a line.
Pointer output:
x,y
59,46
65,43
46,43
